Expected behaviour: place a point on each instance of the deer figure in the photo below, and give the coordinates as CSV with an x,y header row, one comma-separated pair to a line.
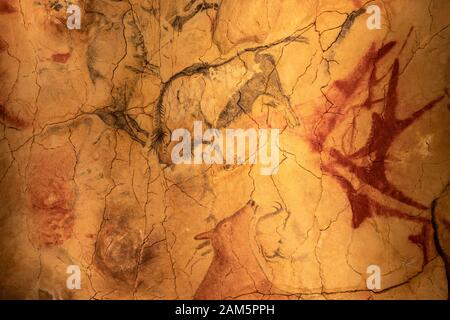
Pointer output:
x,y
234,271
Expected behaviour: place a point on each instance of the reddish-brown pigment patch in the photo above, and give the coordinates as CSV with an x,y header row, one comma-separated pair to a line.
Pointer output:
x,y
61,57
7,7
51,195
422,240
3,45
234,270
446,223
9,118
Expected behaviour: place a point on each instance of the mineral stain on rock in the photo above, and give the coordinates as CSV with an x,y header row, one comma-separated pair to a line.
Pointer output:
x,y
3,45
61,57
118,250
11,119
6,6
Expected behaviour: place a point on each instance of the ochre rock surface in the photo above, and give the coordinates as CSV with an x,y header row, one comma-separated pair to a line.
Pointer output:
x,y
87,178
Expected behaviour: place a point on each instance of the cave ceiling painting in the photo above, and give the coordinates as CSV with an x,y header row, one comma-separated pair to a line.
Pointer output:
x,y
88,180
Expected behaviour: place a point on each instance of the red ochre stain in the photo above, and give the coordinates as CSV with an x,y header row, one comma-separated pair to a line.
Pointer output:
x,y
61,57
3,45
7,7
51,195
8,117
234,270
446,224
421,240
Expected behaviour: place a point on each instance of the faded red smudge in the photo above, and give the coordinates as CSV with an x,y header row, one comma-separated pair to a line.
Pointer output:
x,y
422,241
7,7
446,224
357,3
3,45
61,57
51,195
234,270
12,119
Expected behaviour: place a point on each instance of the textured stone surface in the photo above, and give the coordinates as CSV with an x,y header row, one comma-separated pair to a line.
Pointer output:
x,y
86,176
